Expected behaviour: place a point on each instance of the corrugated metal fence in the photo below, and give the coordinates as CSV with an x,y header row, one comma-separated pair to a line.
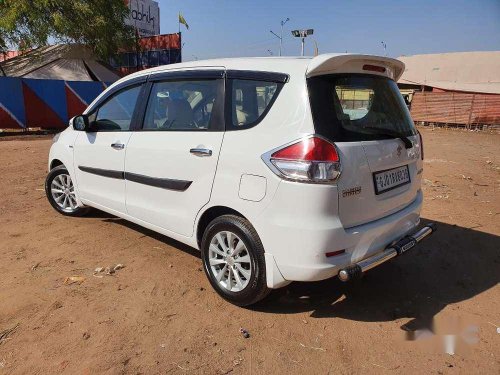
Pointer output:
x,y
456,108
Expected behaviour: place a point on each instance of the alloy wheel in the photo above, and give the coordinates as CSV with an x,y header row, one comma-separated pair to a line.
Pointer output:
x,y
63,192
230,261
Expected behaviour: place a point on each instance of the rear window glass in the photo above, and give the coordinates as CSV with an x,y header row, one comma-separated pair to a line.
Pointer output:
x,y
251,100
358,107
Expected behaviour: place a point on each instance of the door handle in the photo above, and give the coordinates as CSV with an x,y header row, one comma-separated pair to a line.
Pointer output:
x,y
201,151
118,146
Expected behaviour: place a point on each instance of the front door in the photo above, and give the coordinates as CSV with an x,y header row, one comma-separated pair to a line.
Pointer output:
x,y
99,160
170,164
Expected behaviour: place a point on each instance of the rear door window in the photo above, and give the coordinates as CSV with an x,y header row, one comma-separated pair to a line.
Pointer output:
x,y
181,105
358,107
250,101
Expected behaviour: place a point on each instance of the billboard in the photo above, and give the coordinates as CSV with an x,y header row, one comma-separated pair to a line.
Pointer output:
x,y
144,16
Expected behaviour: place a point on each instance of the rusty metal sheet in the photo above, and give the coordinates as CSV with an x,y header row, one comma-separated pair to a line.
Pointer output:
x,y
456,108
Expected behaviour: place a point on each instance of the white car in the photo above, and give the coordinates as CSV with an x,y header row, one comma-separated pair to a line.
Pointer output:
x,y
277,169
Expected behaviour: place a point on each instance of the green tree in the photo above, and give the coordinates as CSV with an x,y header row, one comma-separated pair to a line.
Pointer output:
x,y
99,24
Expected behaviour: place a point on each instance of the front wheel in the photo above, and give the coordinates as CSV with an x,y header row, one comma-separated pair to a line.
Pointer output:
x,y
233,260
61,192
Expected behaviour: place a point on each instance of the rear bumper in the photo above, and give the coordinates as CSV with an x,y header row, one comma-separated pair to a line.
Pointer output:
x,y
401,246
297,240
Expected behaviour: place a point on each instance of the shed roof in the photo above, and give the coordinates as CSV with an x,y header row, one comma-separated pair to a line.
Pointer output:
x,y
458,71
69,62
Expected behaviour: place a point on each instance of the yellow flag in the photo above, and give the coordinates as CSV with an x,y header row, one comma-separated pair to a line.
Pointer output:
x,y
183,21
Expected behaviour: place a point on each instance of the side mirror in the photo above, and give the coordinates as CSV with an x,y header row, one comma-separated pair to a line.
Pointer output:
x,y
80,123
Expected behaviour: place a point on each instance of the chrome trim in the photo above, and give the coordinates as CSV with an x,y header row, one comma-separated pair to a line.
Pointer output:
x,y
377,259
118,146
398,247
201,151
422,233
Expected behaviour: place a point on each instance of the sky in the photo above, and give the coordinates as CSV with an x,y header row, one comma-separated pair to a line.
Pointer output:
x,y
233,28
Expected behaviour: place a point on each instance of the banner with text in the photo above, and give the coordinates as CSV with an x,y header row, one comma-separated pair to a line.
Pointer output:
x,y
144,16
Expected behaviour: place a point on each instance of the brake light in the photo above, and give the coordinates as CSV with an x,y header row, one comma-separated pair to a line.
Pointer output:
x,y
309,160
374,68
421,145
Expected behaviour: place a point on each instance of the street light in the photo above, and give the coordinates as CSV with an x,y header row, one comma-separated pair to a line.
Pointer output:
x,y
302,34
280,37
385,48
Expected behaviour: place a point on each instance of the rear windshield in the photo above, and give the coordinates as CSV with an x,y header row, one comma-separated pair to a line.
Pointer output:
x,y
358,108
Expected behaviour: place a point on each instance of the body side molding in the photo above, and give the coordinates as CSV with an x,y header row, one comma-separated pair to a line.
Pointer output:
x,y
163,183
102,172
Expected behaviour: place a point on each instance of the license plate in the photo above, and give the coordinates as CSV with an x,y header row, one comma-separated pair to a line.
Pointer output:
x,y
391,179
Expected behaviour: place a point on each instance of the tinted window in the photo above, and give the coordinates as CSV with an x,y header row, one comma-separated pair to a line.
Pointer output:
x,y
181,105
358,107
116,113
250,100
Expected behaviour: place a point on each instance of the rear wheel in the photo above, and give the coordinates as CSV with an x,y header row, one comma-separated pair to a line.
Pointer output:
x,y
233,259
61,193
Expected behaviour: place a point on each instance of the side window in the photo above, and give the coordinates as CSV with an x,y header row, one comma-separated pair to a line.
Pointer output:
x,y
250,100
117,111
181,105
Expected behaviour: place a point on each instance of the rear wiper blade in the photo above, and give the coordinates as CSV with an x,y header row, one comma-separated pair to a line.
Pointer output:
x,y
390,133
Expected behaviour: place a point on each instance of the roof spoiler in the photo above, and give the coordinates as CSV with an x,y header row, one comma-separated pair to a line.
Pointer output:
x,y
347,63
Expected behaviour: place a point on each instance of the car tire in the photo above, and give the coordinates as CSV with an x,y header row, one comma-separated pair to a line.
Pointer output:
x,y
231,241
60,192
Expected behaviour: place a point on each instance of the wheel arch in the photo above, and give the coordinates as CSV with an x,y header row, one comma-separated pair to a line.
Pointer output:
x,y
210,214
55,163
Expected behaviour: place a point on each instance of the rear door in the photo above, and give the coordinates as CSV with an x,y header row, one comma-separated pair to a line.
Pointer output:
x,y
171,162
366,117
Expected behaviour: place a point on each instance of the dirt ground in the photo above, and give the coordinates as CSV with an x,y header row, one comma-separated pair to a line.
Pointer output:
x,y
159,314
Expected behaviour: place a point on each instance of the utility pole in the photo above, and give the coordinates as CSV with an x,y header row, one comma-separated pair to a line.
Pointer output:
x,y
280,37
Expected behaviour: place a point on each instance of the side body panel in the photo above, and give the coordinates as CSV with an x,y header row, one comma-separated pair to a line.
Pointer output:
x,y
99,168
166,156
240,156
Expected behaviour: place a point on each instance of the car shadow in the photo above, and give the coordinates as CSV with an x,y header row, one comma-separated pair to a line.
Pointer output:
x,y
452,265
94,213
155,235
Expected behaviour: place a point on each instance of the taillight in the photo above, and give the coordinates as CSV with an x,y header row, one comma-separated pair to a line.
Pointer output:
x,y
309,160
421,145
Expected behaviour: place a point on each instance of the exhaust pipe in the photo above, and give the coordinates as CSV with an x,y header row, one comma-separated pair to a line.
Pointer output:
x,y
403,245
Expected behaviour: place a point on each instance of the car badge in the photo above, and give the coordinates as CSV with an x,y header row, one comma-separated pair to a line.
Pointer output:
x,y
399,149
